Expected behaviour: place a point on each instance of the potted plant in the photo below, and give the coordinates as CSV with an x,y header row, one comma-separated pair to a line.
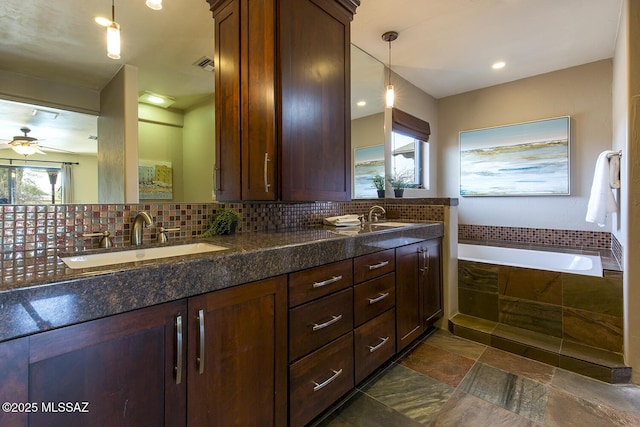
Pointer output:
x,y
378,182
223,221
398,182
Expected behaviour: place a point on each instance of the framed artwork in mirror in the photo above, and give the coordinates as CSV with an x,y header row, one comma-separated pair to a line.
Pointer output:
x,y
367,163
155,180
524,159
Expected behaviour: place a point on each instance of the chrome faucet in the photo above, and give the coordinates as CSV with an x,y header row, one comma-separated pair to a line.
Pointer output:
x,y
374,216
143,218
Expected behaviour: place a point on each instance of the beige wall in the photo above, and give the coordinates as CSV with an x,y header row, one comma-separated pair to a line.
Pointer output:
x,y
23,88
582,92
199,152
118,138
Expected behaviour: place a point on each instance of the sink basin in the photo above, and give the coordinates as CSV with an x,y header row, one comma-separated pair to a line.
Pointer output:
x,y
139,254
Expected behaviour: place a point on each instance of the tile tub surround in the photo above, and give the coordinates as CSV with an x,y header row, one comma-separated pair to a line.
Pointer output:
x,y
584,309
568,320
575,239
59,296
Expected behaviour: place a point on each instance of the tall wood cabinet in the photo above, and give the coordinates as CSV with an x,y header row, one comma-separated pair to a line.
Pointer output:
x,y
283,99
418,290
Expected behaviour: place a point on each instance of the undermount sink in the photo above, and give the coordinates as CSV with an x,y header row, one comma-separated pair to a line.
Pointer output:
x,y
138,254
390,224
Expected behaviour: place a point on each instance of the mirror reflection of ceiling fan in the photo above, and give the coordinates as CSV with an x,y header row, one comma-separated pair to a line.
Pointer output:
x,y
28,145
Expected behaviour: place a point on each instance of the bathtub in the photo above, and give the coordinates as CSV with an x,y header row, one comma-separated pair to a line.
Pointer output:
x,y
588,265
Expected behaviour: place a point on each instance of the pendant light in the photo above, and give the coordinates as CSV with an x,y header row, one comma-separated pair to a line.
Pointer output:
x,y
389,36
113,35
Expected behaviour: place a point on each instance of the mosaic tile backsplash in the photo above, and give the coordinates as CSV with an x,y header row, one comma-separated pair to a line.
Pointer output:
x,y
51,228
578,239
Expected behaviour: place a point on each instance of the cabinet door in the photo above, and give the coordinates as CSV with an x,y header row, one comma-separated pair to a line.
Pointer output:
x,y
227,102
258,113
14,373
315,68
125,367
432,295
237,362
408,294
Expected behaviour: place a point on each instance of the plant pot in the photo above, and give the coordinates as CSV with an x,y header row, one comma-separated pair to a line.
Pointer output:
x,y
380,194
398,192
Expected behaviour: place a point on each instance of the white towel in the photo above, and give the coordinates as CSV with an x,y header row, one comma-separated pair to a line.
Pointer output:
x,y
343,220
601,201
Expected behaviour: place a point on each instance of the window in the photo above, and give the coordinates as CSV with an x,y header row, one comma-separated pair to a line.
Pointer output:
x,y
30,185
410,148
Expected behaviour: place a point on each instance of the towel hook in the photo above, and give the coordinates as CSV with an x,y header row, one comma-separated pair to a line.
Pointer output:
x,y
619,154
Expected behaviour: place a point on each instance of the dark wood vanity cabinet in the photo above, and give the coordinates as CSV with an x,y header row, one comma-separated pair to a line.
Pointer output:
x,y
129,368
283,99
237,361
216,359
418,289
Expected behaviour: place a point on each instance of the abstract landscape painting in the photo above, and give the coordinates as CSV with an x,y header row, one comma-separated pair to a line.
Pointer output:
x,y
523,159
367,162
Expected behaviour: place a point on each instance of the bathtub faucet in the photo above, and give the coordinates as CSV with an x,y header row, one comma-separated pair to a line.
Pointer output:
x,y
373,216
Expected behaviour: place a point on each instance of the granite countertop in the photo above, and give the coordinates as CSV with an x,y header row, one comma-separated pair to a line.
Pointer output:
x,y
39,292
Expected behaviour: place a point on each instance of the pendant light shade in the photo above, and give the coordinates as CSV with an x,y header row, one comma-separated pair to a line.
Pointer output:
x,y
154,4
389,36
113,41
390,96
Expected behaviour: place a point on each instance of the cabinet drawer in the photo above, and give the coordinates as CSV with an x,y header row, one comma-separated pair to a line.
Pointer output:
x,y
317,282
373,265
375,343
314,324
373,297
319,379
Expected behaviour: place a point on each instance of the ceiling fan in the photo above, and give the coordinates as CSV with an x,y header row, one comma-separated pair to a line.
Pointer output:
x,y
24,144
28,145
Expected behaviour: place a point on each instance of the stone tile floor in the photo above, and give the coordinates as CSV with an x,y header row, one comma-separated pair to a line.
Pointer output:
x,y
450,381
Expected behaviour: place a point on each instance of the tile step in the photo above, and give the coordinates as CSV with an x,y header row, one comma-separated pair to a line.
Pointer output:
x,y
585,360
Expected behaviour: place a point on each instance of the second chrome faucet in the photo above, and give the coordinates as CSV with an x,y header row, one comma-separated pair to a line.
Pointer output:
x,y
142,218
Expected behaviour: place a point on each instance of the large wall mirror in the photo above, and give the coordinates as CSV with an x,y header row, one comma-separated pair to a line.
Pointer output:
x,y
54,66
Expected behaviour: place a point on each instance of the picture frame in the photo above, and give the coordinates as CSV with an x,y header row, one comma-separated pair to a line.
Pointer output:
x,y
367,162
155,180
522,159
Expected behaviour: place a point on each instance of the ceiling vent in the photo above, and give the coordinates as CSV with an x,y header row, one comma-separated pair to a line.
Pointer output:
x,y
205,63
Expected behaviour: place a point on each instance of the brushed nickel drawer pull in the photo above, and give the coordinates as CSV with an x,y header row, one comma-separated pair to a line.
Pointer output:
x,y
334,279
378,299
200,359
373,348
425,260
178,367
333,320
326,382
378,265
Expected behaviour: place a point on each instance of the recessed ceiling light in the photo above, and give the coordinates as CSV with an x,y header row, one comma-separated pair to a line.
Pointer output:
x,y
149,97
361,103
498,65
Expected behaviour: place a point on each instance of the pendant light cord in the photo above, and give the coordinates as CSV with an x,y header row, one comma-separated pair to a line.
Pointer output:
x,y
389,62
113,10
